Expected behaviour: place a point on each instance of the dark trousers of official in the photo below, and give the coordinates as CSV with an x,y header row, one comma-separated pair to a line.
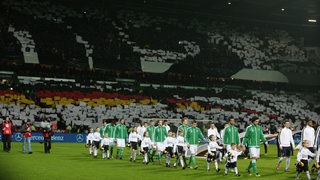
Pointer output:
x,y
6,139
47,145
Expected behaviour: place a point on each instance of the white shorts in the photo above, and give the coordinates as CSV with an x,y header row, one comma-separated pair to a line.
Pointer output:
x,y
160,146
193,149
121,143
254,152
153,145
111,141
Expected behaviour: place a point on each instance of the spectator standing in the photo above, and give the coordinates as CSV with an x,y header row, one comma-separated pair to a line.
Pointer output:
x,y
26,133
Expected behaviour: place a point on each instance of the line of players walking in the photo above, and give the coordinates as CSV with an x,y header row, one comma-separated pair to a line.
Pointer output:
x,y
159,141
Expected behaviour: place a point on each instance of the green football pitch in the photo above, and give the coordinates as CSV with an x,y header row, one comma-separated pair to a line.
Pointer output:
x,y
72,161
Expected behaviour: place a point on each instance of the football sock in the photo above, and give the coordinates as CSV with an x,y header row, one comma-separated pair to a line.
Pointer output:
x,y
182,162
111,151
121,152
308,175
287,162
145,157
168,159
225,169
159,156
280,160
250,166
216,164
236,170
134,156
208,165
254,165
193,161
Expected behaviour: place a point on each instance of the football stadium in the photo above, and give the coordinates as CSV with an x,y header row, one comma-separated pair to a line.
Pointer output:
x,y
160,89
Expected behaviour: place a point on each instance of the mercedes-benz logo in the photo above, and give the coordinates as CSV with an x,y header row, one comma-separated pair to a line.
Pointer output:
x,y
18,136
79,138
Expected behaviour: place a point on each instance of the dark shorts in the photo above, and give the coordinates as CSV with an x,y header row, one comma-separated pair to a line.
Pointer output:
x,y
286,151
211,158
169,151
134,145
105,147
96,144
231,164
145,150
304,168
180,150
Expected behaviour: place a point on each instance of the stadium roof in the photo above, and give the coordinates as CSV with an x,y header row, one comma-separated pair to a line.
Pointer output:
x,y
284,11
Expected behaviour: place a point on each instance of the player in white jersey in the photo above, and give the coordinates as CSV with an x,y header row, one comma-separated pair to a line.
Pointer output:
x,y
232,157
302,159
105,146
140,130
134,138
169,143
286,144
308,133
89,143
179,149
213,153
146,145
96,142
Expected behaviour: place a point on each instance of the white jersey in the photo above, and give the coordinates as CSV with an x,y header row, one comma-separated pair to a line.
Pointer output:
x,y
167,128
234,155
214,132
141,130
134,137
285,138
96,136
308,133
146,142
304,153
105,141
169,141
89,138
180,141
213,146
222,134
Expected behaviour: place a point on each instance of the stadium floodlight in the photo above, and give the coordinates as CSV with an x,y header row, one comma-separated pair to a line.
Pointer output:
x,y
312,20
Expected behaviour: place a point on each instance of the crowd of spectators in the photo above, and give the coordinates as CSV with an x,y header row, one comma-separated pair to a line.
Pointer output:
x,y
75,106
120,40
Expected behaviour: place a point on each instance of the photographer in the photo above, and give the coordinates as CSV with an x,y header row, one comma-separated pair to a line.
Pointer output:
x,y
6,134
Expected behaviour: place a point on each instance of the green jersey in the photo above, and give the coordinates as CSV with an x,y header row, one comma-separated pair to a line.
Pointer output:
x,y
184,128
231,135
121,131
160,133
193,135
253,135
111,130
103,131
150,130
